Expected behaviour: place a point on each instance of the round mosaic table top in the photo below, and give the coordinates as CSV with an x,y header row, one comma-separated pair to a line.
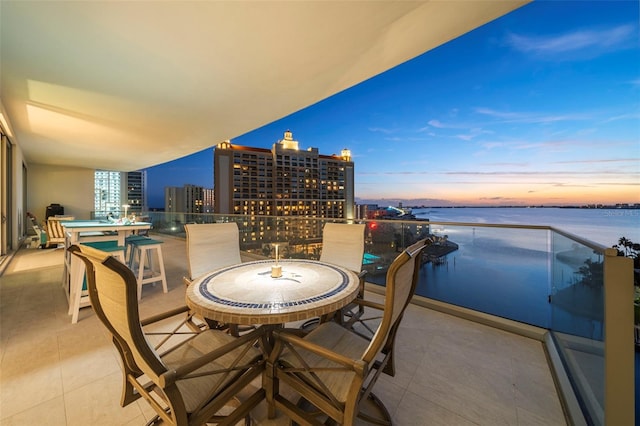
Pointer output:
x,y
247,294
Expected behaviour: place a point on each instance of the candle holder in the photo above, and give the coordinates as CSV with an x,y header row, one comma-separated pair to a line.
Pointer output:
x,y
276,271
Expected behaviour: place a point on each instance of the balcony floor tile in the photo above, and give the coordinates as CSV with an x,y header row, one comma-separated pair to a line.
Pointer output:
x,y
449,371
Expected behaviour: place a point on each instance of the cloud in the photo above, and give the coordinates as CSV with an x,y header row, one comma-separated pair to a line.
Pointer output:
x,y
572,185
492,145
394,139
528,117
473,133
630,116
600,161
591,42
494,198
522,164
381,130
466,137
437,124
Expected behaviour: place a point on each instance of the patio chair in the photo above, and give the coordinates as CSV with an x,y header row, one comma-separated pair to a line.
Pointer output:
x,y
333,369
366,324
213,246
41,235
343,245
187,375
55,231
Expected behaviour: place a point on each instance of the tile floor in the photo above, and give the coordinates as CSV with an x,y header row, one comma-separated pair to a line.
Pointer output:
x,y
449,371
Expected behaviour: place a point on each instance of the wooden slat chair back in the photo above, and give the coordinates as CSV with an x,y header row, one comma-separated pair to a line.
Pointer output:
x,y
189,374
332,368
55,231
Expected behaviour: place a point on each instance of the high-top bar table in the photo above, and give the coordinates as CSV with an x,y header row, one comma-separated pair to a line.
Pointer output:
x,y
79,231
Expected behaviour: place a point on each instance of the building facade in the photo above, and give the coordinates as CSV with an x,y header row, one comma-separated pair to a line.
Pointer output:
x,y
114,190
284,181
136,185
189,199
108,190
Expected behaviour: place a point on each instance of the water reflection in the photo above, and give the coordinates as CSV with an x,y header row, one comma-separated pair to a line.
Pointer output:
x,y
529,275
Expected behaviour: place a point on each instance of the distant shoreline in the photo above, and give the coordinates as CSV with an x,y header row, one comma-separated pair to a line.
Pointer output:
x,y
594,207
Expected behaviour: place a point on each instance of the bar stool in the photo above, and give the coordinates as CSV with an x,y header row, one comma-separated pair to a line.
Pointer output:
x,y
110,247
142,250
128,242
78,297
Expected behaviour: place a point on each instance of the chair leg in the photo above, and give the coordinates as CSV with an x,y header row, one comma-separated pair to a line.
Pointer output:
x,y
75,289
142,259
271,384
161,267
380,415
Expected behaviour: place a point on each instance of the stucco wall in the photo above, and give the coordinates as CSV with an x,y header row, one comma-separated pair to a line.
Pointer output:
x,y
73,188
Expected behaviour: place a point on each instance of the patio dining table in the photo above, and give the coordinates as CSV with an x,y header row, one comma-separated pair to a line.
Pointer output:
x,y
247,294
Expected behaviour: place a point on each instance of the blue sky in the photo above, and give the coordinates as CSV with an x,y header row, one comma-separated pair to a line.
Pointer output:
x,y
541,106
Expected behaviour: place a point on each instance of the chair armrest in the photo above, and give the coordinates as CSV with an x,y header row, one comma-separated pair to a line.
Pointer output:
x,y
357,365
164,315
361,281
369,304
171,376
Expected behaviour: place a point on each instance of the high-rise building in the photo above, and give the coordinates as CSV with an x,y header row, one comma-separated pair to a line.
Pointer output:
x,y
188,199
113,190
108,191
136,191
284,181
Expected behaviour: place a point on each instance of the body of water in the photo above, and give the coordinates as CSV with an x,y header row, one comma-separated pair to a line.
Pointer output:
x,y
601,226
525,274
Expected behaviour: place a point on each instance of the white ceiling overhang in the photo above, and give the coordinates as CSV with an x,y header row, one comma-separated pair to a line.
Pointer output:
x,y
124,85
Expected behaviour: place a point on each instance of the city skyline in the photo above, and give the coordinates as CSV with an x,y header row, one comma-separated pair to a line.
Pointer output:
x,y
539,107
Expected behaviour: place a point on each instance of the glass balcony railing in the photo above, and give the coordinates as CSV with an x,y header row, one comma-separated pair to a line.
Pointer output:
x,y
534,275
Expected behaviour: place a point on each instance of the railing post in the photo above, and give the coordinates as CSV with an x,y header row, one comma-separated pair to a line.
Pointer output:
x,y
618,339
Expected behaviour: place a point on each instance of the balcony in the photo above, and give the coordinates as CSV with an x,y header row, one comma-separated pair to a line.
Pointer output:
x,y
506,350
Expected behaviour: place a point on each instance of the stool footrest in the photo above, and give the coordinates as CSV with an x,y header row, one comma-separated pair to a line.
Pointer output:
x,y
141,251
145,242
